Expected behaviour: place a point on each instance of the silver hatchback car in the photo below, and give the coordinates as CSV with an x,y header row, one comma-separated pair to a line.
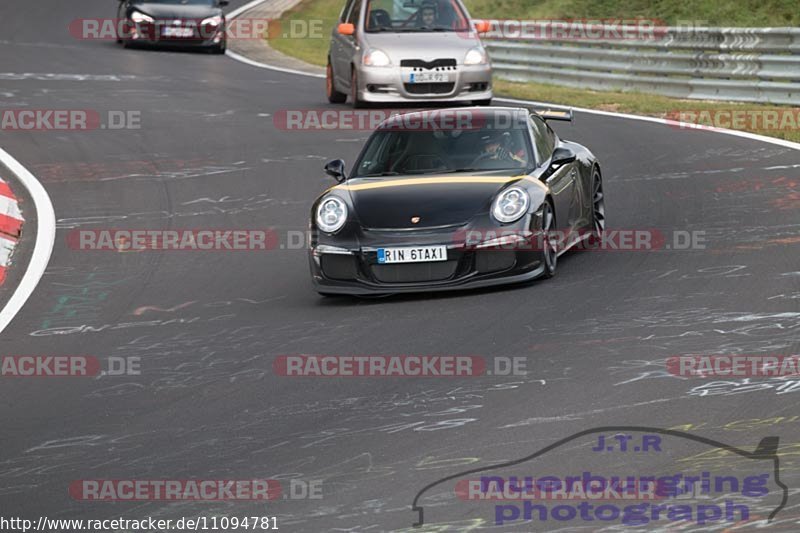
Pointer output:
x,y
407,51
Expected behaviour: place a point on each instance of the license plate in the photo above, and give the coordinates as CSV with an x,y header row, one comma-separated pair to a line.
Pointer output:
x,y
177,32
428,77
419,254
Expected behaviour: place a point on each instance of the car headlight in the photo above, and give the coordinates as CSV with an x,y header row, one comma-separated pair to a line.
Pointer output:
x,y
475,56
331,214
212,21
510,205
377,58
139,17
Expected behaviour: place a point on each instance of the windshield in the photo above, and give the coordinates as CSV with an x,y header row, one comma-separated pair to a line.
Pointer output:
x,y
415,16
394,152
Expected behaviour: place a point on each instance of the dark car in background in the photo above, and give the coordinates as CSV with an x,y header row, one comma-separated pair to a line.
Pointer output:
x,y
173,23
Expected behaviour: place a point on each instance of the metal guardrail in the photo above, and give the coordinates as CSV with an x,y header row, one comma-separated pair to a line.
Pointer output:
x,y
736,64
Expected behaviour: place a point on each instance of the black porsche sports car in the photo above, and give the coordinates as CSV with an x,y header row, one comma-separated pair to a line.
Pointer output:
x,y
453,199
172,23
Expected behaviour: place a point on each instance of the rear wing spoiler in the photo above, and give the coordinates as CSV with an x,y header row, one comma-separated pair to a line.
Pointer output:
x,y
554,114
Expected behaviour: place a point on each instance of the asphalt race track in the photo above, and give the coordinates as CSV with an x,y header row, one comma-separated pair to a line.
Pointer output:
x,y
207,326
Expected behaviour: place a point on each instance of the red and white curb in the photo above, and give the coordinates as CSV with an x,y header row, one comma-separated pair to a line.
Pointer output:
x,y
44,240
10,227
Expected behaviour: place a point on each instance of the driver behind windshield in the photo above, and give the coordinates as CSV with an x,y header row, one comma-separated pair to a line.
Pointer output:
x,y
426,16
499,148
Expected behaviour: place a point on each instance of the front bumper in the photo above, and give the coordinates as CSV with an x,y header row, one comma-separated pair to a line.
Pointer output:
x,y
148,35
388,84
337,270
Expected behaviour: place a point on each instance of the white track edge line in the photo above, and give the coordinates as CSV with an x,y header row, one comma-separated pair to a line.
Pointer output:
x,y
239,10
657,120
45,239
247,61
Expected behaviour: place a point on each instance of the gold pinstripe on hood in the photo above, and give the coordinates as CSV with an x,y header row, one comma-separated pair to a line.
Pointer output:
x,y
427,181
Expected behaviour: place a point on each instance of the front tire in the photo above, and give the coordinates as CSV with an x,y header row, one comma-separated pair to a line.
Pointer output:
x,y
354,99
549,246
598,224
334,96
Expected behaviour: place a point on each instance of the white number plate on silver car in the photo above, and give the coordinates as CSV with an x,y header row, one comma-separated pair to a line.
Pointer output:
x,y
428,77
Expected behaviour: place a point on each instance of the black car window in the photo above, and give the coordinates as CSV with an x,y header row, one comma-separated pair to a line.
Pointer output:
x,y
346,11
398,16
354,13
392,152
545,138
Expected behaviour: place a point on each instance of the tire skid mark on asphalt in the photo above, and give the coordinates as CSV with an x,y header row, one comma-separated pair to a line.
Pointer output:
x,y
189,173
74,450
156,167
266,202
27,76
87,328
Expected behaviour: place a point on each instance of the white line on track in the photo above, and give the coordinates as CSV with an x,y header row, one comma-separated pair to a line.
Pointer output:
x,y
239,10
242,59
684,125
45,238
735,133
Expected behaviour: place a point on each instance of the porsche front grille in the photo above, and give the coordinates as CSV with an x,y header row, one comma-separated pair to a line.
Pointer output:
x,y
414,272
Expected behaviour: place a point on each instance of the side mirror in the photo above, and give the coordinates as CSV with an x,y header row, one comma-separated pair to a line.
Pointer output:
x,y
346,28
482,26
562,156
335,169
